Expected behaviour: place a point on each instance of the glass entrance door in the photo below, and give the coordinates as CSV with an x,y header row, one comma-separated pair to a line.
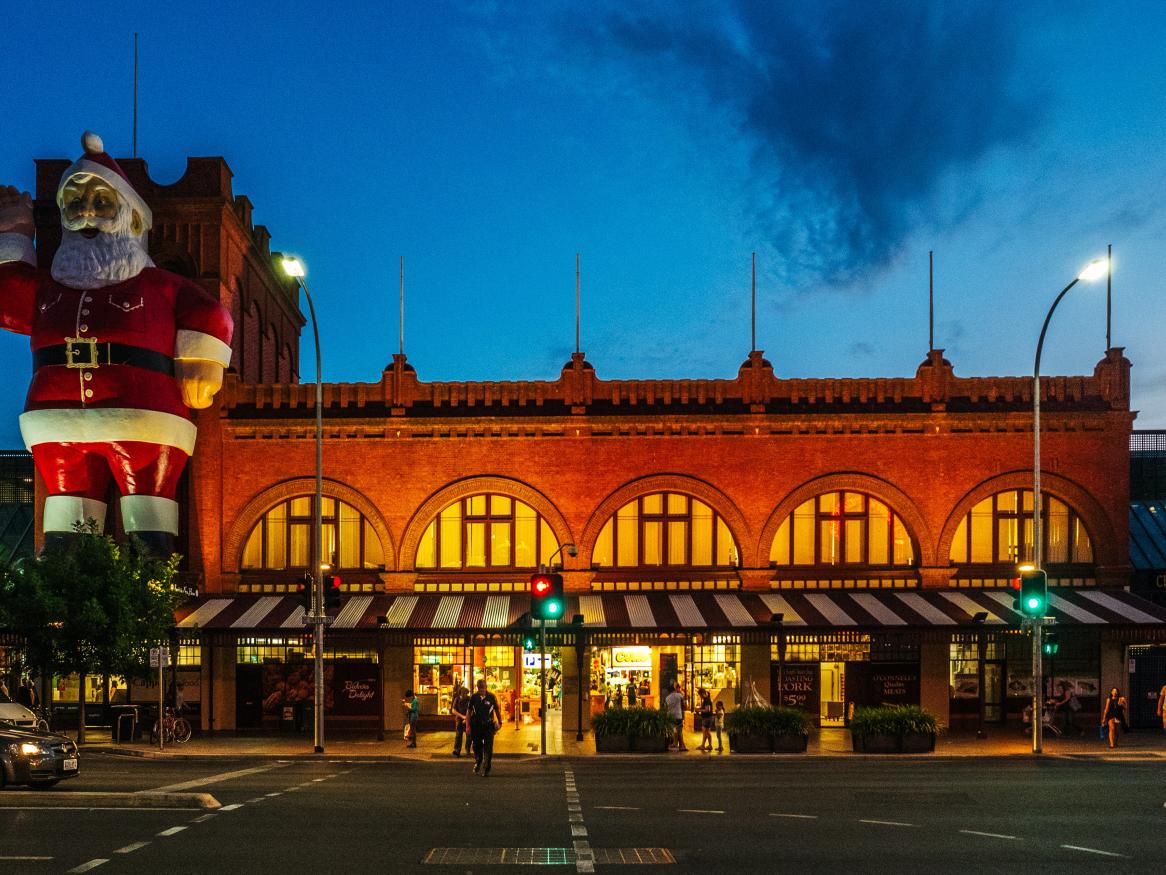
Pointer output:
x,y
993,692
833,691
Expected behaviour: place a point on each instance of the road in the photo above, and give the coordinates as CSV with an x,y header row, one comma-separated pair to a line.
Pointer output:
x,y
707,816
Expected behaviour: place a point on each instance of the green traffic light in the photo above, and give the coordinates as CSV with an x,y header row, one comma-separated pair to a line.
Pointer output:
x,y
1033,603
553,607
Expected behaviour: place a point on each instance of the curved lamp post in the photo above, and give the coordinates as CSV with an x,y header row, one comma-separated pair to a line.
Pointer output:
x,y
295,269
1092,271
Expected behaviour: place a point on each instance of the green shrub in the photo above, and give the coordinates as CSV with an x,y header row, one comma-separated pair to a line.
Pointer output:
x,y
756,720
893,720
633,722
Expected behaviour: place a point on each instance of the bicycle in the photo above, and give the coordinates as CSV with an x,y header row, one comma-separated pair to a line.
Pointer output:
x,y
176,730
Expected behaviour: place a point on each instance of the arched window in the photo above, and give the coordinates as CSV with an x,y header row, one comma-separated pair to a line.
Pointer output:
x,y
665,530
998,531
842,528
283,538
486,531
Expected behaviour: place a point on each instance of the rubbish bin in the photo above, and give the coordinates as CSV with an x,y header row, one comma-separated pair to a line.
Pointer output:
x,y
125,724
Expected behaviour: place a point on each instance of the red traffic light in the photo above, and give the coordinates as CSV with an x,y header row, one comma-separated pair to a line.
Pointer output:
x,y
540,584
1015,583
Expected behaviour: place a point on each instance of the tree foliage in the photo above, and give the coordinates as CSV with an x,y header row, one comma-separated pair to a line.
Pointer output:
x,y
95,608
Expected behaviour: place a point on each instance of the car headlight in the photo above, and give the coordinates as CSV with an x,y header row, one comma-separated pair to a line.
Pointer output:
x,y
30,748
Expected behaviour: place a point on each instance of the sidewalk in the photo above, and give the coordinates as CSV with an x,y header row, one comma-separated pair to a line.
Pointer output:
x,y
524,742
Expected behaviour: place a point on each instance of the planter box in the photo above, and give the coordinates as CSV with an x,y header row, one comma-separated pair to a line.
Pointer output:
x,y
790,743
740,742
649,745
612,743
910,743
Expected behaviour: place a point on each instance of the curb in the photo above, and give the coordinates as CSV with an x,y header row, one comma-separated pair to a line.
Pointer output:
x,y
86,799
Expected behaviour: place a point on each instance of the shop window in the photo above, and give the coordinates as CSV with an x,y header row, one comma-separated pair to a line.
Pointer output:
x,y
189,653
665,530
841,529
998,531
282,539
486,531
439,664
837,647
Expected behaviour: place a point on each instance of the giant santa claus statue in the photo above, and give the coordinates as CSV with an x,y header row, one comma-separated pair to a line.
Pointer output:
x,y
120,351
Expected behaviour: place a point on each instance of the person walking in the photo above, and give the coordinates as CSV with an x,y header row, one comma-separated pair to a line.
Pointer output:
x,y
485,720
26,694
631,694
460,708
719,720
706,720
412,712
674,704
1162,706
1067,706
1113,714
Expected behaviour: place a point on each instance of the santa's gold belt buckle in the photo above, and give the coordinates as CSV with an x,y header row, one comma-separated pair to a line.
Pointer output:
x,y
75,346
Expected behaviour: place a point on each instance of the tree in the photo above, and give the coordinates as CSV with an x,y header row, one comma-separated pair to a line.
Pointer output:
x,y
94,608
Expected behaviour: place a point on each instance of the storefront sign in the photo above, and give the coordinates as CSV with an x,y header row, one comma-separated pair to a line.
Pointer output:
x,y
895,684
534,661
631,657
800,686
356,689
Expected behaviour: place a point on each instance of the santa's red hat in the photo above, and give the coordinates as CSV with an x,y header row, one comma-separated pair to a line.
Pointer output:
x,y
97,163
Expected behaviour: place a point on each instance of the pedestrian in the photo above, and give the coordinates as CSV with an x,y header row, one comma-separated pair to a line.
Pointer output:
x,y
1113,714
1161,708
719,720
1067,706
631,694
26,694
706,720
675,707
4,691
460,706
485,720
412,712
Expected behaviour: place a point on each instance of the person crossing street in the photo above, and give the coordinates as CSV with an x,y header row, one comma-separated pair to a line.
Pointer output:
x,y
485,720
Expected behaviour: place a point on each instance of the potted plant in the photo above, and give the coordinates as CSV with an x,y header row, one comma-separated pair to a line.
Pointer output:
x,y
893,729
766,729
618,730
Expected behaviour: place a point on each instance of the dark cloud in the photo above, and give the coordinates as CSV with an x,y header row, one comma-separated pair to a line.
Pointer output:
x,y
858,113
861,349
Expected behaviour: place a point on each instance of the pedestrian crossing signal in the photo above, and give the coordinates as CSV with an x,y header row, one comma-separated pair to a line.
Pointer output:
x,y
529,642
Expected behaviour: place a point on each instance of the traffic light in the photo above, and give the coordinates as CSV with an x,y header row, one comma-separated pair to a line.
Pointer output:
x,y
1034,593
304,592
546,596
331,591
1014,585
1050,645
529,641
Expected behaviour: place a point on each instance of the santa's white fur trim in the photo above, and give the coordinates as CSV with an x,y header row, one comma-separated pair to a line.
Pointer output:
x,y
92,143
199,345
62,512
16,247
107,424
149,513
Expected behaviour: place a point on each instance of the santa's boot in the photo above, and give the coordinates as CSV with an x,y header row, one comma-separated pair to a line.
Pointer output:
x,y
160,545
59,543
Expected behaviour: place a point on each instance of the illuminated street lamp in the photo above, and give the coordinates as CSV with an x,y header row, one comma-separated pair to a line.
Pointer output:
x,y
295,269
1092,271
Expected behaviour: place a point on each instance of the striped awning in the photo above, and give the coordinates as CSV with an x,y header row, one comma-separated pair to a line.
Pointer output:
x,y
680,611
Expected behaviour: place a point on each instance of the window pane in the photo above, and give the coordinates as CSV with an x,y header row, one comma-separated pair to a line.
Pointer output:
x,y
499,505
427,549
476,505
500,544
301,506
601,555
328,506
879,535
276,522
677,504
1026,495
451,536
525,538
830,545
779,550
726,549
653,543
475,545
804,523
1057,534
349,536
959,544
1008,540
854,540
1082,546
852,502
981,517
627,530
253,552
702,534
903,552
828,502
374,554
328,554
677,542
654,503
548,543
301,545
1007,501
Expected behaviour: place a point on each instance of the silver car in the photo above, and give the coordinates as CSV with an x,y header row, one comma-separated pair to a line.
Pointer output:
x,y
39,759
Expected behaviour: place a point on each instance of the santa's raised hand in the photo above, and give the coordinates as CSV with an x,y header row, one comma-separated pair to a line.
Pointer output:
x,y
16,211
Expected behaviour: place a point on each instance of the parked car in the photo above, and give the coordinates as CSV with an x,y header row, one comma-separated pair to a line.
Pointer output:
x,y
17,715
39,759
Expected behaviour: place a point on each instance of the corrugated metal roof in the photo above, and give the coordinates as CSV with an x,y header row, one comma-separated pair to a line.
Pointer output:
x,y
1148,535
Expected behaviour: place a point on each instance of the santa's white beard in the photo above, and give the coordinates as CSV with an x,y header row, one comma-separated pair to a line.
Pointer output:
x,y
104,260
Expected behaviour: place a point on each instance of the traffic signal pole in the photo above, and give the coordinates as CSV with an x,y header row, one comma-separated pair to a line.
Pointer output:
x,y
542,682
1038,705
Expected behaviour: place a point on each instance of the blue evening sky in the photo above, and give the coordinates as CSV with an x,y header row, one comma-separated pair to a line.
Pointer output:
x,y
489,142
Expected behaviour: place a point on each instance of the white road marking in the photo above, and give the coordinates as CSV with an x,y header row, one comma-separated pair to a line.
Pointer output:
x,y
1092,851
276,793
24,859
617,807
231,807
990,835
205,817
699,811
256,799
129,849
174,830
318,780
88,808
578,830
211,779
85,867
797,816
887,822
292,789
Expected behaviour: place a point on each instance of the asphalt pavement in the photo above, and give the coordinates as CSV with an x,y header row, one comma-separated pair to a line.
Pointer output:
x,y
922,814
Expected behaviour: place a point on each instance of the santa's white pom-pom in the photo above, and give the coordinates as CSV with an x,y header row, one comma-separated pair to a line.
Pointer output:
x,y
91,143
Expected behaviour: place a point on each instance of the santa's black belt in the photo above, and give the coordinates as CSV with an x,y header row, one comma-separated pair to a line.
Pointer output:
x,y
86,355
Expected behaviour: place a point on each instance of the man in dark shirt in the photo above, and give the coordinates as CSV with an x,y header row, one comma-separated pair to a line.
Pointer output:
x,y
485,720
461,702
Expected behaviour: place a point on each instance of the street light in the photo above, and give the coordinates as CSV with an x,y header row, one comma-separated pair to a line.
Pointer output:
x,y
295,269
1092,271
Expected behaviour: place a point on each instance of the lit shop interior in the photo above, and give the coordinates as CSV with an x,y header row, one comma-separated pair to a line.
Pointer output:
x,y
640,675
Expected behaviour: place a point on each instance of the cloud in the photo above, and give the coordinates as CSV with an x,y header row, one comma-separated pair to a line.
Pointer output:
x,y
858,114
860,349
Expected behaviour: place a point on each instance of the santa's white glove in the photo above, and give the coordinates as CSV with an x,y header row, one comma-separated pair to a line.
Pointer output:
x,y
198,380
16,211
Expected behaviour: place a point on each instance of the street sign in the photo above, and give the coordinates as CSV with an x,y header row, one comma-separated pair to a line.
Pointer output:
x,y
159,657
309,620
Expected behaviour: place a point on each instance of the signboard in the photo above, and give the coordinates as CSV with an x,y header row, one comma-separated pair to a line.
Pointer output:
x,y
356,689
800,686
145,690
534,661
638,658
895,683
159,657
